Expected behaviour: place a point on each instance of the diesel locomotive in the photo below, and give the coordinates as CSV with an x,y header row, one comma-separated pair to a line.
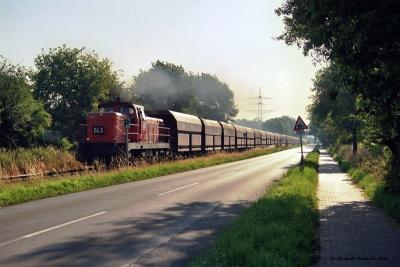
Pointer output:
x,y
123,128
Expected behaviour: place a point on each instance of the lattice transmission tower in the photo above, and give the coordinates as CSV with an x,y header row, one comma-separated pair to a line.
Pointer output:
x,y
260,106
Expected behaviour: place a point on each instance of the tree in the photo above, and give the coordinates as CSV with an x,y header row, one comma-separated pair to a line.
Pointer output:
x,y
255,123
363,36
71,82
165,86
169,86
282,125
22,118
334,107
215,100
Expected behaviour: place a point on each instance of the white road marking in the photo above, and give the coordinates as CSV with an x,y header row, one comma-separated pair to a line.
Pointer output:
x,y
179,188
52,228
11,241
226,174
64,224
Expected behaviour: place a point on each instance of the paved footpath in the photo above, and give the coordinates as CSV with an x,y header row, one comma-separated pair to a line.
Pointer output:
x,y
352,231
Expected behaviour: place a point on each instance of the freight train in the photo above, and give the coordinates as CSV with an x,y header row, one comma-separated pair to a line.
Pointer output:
x,y
123,128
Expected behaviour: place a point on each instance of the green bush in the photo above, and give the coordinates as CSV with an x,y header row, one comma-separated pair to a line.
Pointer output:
x,y
65,144
368,170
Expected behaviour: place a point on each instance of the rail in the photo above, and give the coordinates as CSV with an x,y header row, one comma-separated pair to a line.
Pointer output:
x,y
26,176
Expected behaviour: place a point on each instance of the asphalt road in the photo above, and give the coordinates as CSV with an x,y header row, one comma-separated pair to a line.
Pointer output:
x,y
162,221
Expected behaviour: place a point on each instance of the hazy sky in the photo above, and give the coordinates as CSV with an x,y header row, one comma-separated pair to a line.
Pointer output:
x,y
231,39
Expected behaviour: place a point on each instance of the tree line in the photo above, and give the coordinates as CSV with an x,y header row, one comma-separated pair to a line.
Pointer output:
x,y
169,86
45,104
282,125
356,97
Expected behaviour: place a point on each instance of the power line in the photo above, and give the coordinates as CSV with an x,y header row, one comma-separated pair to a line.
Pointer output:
x,y
260,105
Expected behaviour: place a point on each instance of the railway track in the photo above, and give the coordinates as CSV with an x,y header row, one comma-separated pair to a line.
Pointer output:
x,y
114,165
28,176
88,168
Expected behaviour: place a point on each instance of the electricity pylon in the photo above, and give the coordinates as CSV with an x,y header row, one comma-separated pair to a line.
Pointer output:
x,y
260,106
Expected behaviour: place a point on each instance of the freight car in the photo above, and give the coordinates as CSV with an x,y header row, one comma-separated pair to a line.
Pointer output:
x,y
123,128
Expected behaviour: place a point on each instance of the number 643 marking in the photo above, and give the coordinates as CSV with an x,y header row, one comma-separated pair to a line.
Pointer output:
x,y
98,130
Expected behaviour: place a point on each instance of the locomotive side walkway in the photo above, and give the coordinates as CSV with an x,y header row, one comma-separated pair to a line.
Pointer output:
x,y
352,231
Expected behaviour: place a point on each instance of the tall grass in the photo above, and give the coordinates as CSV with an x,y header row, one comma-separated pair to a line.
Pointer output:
x,y
277,230
37,189
368,169
35,160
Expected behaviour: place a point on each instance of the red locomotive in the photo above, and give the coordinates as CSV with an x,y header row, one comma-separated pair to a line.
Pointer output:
x,y
123,128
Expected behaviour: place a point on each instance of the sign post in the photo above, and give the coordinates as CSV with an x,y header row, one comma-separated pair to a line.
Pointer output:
x,y
300,126
301,146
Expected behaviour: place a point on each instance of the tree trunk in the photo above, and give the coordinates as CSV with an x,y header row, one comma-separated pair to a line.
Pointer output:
x,y
355,145
393,176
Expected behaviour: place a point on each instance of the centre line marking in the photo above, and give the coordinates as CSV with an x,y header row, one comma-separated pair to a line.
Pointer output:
x,y
179,188
226,174
51,228
64,224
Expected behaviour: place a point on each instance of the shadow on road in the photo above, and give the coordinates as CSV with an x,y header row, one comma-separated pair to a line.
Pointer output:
x,y
170,237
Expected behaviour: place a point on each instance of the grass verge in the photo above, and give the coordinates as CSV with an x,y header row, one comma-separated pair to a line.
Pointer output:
x,y
373,188
279,229
17,193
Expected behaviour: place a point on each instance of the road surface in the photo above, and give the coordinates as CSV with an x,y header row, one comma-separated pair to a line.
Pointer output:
x,y
162,221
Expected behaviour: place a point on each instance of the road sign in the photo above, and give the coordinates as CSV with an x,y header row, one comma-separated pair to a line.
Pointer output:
x,y
300,124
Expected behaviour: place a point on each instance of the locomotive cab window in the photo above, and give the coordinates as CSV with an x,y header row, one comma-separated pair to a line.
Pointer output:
x,y
127,110
140,113
124,110
132,115
107,109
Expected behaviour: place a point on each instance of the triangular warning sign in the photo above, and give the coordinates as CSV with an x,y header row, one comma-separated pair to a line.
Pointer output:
x,y
300,125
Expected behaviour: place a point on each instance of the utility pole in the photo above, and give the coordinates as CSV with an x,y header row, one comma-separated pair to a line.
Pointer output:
x,y
260,106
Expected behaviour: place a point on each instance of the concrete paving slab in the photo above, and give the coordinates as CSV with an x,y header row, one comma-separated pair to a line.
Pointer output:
x,y
352,231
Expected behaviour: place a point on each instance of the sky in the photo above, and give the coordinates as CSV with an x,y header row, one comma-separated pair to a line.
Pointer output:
x,y
231,39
